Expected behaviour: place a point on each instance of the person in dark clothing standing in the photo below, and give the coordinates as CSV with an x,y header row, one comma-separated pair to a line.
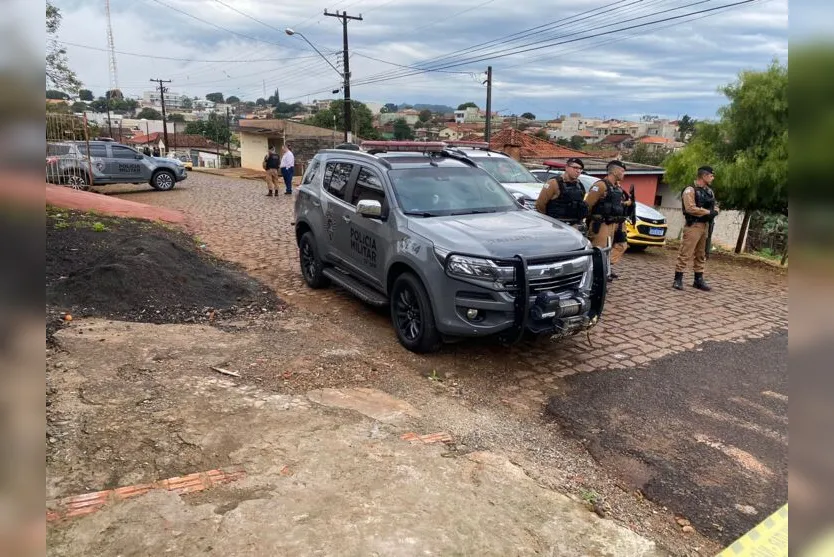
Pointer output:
x,y
607,204
699,209
271,165
563,196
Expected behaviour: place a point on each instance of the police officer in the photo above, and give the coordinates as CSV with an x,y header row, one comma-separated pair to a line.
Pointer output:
x,y
271,164
563,196
699,209
606,204
620,237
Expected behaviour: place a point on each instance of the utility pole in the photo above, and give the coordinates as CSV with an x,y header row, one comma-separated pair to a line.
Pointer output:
x,y
228,138
162,101
346,60
488,131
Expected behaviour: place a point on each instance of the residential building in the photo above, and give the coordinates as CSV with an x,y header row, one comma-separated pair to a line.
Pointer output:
x,y
257,136
152,99
410,116
617,141
655,143
179,143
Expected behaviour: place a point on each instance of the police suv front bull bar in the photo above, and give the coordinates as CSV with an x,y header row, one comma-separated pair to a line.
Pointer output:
x,y
521,286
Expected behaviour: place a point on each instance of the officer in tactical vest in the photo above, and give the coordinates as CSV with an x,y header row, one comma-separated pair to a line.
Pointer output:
x,y
699,209
607,205
620,237
563,196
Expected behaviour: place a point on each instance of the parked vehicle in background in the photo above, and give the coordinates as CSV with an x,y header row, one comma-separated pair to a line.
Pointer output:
x,y
108,162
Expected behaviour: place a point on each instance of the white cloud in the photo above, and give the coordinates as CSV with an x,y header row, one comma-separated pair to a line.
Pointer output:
x,y
678,68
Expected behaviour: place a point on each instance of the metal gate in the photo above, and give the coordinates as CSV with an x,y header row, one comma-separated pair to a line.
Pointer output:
x,y
68,159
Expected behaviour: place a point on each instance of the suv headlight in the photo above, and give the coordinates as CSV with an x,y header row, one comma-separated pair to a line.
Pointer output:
x,y
478,268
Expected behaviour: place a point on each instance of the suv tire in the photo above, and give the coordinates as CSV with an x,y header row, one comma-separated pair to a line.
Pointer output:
x,y
163,180
412,315
77,181
311,264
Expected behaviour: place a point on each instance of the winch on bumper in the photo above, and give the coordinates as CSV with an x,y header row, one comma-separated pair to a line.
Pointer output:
x,y
562,311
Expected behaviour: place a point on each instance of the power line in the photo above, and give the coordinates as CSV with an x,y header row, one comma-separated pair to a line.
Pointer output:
x,y
403,65
256,20
183,12
515,50
527,32
174,59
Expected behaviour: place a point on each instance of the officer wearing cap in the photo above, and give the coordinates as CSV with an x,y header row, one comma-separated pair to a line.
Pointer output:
x,y
607,206
563,196
699,209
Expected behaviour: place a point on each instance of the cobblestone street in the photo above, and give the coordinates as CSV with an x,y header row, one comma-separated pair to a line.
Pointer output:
x,y
644,318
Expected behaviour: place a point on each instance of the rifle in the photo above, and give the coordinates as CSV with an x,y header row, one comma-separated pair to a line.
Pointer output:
x,y
632,213
709,237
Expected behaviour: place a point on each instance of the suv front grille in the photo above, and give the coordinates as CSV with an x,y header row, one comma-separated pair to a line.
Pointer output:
x,y
556,284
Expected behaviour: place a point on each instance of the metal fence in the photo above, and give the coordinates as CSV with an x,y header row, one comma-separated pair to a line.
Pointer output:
x,y
61,129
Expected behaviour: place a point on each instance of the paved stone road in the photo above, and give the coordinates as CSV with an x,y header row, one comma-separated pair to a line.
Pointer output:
x,y
644,319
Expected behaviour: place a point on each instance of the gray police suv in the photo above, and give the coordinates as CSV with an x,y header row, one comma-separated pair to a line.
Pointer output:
x,y
444,245
107,162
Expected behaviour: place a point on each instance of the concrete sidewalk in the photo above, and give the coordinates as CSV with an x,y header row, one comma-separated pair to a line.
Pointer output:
x,y
68,198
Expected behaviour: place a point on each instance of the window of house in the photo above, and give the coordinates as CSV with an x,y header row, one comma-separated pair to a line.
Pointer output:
x,y
120,152
336,177
368,186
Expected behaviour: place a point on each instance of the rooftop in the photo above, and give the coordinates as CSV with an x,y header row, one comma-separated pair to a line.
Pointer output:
x,y
530,146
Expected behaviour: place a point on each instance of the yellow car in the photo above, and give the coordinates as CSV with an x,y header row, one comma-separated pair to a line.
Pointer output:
x,y
648,230
186,162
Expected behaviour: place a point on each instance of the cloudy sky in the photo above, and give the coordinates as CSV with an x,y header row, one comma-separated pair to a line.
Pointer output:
x,y
603,58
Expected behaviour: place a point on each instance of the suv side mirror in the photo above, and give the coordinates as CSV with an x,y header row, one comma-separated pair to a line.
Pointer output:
x,y
369,208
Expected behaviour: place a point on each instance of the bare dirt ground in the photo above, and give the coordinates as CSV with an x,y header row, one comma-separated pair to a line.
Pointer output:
x,y
488,398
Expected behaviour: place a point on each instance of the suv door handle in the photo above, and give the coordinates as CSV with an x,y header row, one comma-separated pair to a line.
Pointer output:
x,y
346,218
316,203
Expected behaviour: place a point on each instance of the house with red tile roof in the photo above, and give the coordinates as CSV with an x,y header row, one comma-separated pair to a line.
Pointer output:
x,y
530,149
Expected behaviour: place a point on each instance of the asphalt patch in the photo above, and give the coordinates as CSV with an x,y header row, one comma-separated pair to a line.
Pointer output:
x,y
704,432
135,270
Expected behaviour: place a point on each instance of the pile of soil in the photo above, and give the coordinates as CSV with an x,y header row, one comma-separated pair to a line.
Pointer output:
x,y
135,270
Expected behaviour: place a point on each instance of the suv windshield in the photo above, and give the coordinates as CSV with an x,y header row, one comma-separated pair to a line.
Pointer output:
x,y
437,191
505,170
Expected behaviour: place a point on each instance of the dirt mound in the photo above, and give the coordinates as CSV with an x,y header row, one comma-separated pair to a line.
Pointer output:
x,y
139,271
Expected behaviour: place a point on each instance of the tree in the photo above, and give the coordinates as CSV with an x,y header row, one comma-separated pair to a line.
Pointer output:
x,y
85,95
58,73
529,116
214,129
186,103
425,115
176,117
79,106
99,105
59,108
577,142
115,94
274,99
686,127
402,131
56,95
747,147
261,102
563,142
466,105
215,97
542,134
149,114
233,99
285,110
641,154
389,108
361,115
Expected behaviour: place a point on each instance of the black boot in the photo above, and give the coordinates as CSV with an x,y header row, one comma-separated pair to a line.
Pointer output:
x,y
700,283
269,194
678,284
